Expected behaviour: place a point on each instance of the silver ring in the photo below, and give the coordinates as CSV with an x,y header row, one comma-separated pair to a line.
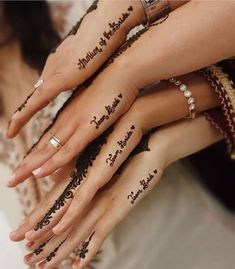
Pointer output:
x,y
55,142
38,83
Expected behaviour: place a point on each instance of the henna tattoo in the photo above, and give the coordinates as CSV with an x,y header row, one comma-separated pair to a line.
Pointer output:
x,y
122,144
133,196
88,82
22,106
84,161
85,246
53,253
109,109
40,249
113,28
141,147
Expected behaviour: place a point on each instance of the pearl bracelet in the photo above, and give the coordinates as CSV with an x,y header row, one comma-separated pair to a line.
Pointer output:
x,y
188,94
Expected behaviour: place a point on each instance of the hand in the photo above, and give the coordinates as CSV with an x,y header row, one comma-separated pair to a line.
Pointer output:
x,y
94,171
82,53
114,202
114,79
163,48
147,113
66,68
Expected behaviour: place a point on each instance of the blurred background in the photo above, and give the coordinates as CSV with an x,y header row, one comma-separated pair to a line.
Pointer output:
x,y
29,30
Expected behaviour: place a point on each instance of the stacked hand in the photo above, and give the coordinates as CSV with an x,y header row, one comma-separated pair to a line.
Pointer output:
x,y
85,198
130,72
76,194
112,203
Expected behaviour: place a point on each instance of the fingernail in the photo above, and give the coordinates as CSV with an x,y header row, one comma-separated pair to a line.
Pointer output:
x,y
42,264
29,244
77,262
29,235
13,234
11,180
28,257
37,172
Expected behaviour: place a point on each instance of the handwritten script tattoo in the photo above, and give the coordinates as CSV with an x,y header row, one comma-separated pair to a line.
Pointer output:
x,y
84,250
40,249
144,183
84,161
53,253
109,111
121,145
103,42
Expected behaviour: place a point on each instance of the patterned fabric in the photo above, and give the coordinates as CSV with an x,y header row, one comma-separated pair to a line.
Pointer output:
x,y
222,78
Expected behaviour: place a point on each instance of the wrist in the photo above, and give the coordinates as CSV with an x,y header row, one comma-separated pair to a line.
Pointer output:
x,y
132,11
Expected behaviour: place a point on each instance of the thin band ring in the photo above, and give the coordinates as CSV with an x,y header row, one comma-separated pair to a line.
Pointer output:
x,y
55,142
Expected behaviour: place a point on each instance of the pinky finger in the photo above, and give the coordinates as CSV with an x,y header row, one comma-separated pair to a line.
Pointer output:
x,y
101,230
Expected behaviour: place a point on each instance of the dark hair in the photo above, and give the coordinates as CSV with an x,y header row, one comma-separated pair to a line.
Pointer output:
x,y
32,25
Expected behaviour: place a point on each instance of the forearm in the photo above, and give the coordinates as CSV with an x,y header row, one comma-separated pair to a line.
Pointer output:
x,y
166,103
194,36
184,138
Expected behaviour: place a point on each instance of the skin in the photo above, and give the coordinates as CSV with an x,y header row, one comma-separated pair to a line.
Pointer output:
x,y
58,78
145,114
110,205
174,39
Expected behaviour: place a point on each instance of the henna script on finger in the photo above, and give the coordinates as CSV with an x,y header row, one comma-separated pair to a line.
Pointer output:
x,y
144,185
84,250
40,248
103,42
53,253
109,109
121,145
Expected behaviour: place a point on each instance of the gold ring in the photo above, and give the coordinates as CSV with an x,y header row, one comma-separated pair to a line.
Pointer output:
x,y
55,142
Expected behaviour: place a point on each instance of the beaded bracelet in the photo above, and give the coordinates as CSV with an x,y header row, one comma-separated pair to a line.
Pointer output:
x,y
188,94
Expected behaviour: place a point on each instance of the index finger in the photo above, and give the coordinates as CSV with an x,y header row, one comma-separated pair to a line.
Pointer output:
x,y
78,58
